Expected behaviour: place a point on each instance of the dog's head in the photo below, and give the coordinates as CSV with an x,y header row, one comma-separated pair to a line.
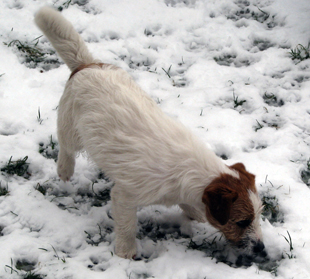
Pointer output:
x,y
233,207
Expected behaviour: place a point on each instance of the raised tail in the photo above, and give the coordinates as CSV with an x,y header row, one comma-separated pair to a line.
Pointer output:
x,y
67,42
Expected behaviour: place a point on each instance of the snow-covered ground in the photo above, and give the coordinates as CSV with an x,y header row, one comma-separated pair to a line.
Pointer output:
x,y
221,67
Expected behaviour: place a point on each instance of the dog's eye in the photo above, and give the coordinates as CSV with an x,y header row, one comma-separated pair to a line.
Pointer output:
x,y
243,224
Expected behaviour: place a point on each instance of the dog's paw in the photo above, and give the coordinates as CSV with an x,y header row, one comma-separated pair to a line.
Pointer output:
x,y
65,167
125,250
64,173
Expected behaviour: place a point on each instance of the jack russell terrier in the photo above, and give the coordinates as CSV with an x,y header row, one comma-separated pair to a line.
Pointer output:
x,y
152,158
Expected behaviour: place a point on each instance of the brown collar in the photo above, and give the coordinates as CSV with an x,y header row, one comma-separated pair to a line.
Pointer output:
x,y
84,66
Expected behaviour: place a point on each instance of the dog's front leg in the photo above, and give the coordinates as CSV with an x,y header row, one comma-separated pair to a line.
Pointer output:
x,y
125,223
65,164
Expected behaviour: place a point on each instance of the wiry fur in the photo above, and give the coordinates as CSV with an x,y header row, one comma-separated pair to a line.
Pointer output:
x,y
60,32
152,158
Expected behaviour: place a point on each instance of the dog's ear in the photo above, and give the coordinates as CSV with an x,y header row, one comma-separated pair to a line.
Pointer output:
x,y
238,167
219,198
250,178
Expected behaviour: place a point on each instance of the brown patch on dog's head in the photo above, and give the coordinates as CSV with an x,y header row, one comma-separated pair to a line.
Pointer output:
x,y
228,204
219,199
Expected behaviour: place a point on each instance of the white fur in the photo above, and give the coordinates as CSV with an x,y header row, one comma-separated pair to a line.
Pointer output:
x,y
253,233
152,158
60,32
258,207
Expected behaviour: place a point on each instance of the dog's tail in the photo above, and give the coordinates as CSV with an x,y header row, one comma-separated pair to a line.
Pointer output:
x,y
67,42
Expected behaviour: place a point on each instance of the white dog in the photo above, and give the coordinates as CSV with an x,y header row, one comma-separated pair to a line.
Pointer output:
x,y
152,158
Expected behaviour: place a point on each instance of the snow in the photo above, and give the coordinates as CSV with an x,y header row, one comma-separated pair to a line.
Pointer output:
x,y
197,59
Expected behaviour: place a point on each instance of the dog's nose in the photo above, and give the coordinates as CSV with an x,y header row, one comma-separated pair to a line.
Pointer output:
x,y
259,248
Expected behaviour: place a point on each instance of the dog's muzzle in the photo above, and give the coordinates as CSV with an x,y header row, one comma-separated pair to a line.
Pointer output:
x,y
255,252
259,249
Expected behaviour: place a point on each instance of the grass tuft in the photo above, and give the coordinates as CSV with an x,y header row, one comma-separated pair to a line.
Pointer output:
x,y
40,120
205,245
30,50
300,52
25,265
225,59
63,259
101,197
272,100
10,267
258,127
31,275
290,243
167,72
4,190
19,167
33,55
237,102
67,3
49,150
305,174
41,189
24,269
271,210
64,5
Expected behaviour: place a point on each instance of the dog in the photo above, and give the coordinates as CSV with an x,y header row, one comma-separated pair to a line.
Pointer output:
x,y
152,158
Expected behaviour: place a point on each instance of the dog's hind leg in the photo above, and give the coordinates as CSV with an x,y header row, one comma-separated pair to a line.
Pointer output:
x,y
67,152
68,136
125,223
